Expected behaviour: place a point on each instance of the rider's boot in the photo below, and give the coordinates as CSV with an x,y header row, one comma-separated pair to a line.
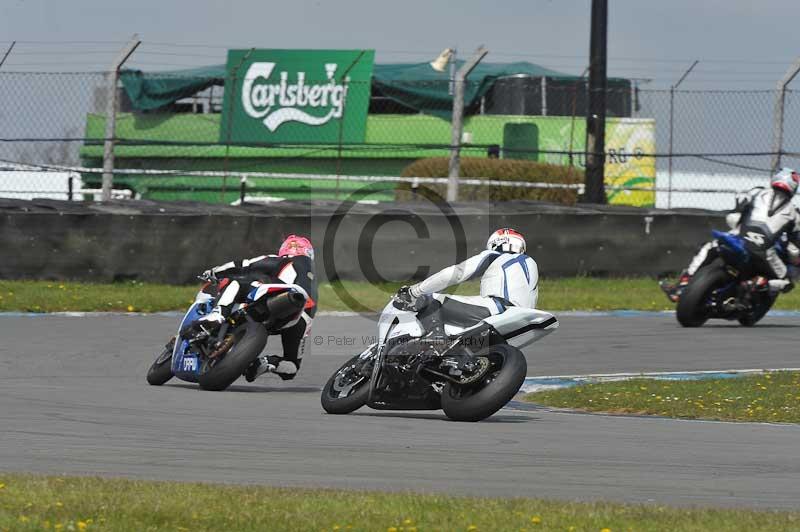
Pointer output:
x,y
673,290
780,286
285,369
259,366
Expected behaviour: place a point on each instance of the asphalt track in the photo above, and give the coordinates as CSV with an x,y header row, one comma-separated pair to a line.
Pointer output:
x,y
73,400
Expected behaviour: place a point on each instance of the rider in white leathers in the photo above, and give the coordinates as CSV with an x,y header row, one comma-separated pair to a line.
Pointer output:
x,y
508,276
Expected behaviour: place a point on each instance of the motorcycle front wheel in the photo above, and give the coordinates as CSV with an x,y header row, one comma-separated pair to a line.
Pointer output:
x,y
249,341
348,389
498,385
161,369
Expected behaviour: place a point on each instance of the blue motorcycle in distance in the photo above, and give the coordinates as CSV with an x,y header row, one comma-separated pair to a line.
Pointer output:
x,y
215,359
718,290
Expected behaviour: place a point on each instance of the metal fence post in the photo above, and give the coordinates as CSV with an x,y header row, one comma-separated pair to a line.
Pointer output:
x,y
111,116
544,95
229,131
458,122
8,52
242,190
777,123
671,122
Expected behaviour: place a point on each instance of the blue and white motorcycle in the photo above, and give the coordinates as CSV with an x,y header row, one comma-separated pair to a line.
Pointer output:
x,y
470,374
215,359
720,289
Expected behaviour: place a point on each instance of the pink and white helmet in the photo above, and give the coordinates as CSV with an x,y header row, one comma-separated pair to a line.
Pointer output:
x,y
506,240
296,245
787,180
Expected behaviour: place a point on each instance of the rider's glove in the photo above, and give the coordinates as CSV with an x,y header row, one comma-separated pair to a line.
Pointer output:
x,y
207,276
403,300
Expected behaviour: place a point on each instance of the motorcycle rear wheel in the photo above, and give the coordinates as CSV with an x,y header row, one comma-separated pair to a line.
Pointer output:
x,y
503,380
219,374
691,311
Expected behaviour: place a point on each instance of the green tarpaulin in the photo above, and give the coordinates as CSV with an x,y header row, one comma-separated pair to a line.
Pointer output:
x,y
151,90
420,87
417,85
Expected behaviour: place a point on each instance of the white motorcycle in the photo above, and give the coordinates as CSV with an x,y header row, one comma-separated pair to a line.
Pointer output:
x,y
471,374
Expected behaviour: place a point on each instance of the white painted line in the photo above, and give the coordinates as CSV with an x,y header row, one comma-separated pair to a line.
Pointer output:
x,y
660,373
555,382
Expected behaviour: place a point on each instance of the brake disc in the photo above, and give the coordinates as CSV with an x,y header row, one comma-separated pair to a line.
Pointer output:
x,y
484,364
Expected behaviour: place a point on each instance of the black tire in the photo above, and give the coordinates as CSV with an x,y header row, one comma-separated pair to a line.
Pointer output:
x,y
750,319
161,369
503,380
691,311
251,339
332,403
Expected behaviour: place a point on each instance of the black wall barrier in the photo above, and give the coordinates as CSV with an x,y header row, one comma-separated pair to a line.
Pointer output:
x,y
173,242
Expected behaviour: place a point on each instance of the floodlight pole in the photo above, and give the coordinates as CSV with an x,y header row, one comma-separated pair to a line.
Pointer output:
x,y
777,124
111,115
596,116
458,121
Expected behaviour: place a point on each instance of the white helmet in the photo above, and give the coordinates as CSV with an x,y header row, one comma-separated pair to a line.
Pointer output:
x,y
786,179
506,240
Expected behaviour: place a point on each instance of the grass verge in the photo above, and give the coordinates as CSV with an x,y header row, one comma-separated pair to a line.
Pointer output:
x,y
581,293
83,504
773,397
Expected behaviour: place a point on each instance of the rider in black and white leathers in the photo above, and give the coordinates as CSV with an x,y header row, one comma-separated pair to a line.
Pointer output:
x,y
293,266
508,276
762,217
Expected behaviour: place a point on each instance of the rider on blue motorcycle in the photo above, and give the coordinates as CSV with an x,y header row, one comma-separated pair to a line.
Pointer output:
x,y
508,276
294,264
762,217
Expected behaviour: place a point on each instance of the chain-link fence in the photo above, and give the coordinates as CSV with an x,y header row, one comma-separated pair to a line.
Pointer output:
x,y
323,135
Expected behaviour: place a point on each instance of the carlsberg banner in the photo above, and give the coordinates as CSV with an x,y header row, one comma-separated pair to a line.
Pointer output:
x,y
308,96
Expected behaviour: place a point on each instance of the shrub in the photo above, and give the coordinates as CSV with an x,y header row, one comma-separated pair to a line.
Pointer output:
x,y
499,170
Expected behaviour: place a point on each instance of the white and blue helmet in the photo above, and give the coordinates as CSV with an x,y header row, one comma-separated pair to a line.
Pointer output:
x,y
506,240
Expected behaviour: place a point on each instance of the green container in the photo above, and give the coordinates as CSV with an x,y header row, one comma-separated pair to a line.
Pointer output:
x,y
521,141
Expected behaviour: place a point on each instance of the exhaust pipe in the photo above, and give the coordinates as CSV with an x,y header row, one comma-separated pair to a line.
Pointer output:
x,y
285,304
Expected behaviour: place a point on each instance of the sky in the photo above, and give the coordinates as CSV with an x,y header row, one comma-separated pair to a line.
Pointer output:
x,y
739,43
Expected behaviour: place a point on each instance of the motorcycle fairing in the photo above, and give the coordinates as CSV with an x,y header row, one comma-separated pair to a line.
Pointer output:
x,y
186,365
523,326
394,322
519,326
